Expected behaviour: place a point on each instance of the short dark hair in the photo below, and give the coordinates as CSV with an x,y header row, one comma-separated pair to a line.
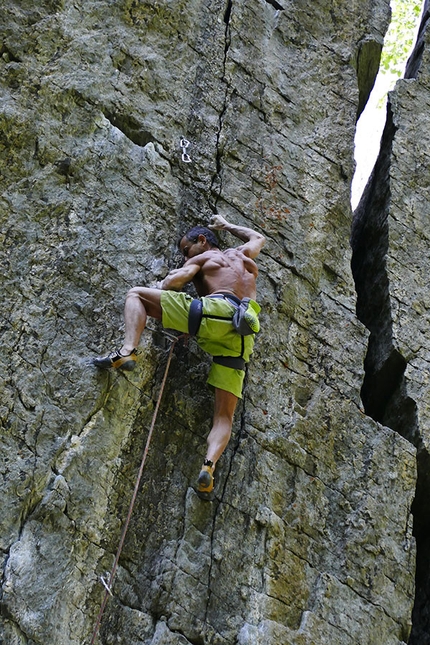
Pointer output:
x,y
193,235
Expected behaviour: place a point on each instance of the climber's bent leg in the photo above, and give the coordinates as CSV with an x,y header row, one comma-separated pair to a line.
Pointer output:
x,y
140,303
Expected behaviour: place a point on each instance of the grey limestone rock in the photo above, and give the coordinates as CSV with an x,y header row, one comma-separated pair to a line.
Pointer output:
x,y
309,537
390,267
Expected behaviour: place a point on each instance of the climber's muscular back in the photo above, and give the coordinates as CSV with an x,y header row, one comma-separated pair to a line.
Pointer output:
x,y
229,271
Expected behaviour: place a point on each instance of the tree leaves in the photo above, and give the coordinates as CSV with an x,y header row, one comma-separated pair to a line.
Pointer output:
x,y
400,36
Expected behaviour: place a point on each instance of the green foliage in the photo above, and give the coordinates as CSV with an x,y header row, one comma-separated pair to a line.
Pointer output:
x,y
399,38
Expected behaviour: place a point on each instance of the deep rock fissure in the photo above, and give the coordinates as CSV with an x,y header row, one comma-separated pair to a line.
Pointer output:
x,y
227,12
235,449
384,365
383,392
421,512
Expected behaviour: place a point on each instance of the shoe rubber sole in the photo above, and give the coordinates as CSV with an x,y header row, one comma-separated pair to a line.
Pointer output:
x,y
115,361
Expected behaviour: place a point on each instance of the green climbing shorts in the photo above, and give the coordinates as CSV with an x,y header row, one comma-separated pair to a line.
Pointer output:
x,y
216,337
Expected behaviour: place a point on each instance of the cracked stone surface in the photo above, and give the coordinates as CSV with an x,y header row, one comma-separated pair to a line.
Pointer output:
x,y
391,277
309,537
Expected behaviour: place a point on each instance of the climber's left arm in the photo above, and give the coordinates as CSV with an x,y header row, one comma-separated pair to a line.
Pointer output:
x,y
178,278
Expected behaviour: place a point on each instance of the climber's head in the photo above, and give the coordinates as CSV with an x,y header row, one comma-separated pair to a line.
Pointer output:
x,y
198,240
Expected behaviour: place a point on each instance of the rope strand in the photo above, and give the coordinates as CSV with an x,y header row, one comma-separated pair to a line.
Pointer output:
x,y
108,585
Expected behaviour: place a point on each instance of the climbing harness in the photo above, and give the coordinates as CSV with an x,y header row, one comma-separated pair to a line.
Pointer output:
x,y
244,321
111,576
184,145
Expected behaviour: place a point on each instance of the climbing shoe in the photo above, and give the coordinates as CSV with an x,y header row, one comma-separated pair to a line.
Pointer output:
x,y
117,361
205,481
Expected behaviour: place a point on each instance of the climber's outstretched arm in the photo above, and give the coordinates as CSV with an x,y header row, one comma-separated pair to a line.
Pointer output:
x,y
254,241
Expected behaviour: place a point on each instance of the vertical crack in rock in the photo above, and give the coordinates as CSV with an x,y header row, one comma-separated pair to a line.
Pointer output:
x,y
240,433
211,562
384,391
421,513
218,507
384,366
227,14
217,178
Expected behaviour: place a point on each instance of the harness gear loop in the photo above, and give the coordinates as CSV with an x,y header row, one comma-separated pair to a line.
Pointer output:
x,y
108,585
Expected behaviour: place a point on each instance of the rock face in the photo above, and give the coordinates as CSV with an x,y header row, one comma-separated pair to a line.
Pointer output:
x,y
390,240
309,538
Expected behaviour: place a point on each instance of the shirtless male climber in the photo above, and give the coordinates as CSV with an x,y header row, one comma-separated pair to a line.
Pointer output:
x,y
222,279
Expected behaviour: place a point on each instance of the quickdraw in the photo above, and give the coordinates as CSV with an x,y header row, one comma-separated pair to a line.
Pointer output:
x,y
184,143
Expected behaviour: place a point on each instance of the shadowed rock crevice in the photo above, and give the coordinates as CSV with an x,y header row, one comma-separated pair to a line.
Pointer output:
x,y
216,183
420,634
276,5
384,365
227,12
130,128
384,390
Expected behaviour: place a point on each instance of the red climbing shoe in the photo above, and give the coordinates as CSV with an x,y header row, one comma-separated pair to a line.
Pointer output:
x,y
205,481
117,361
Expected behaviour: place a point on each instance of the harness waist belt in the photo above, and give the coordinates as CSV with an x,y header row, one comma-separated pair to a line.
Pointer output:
x,y
227,296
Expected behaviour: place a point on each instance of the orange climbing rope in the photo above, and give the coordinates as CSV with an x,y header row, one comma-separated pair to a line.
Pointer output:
x,y
108,585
